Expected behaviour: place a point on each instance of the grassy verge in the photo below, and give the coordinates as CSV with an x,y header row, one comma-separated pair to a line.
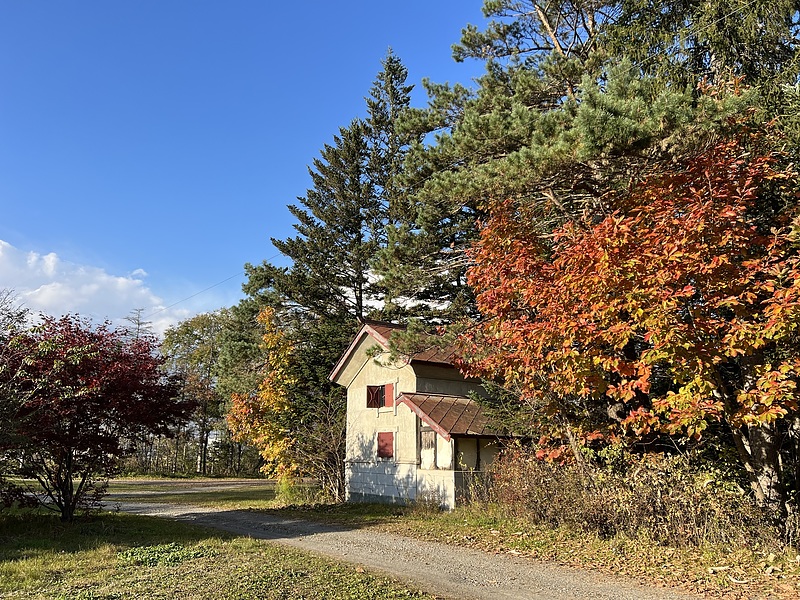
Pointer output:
x,y
117,556
731,573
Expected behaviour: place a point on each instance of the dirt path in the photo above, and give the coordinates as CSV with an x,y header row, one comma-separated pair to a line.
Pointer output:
x,y
443,570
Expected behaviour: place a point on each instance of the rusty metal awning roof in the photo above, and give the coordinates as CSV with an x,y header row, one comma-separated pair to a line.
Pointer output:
x,y
449,415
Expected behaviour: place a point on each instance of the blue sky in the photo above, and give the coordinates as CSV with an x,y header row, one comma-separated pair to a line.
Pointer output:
x,y
148,149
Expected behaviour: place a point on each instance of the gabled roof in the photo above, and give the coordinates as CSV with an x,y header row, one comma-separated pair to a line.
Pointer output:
x,y
382,332
449,415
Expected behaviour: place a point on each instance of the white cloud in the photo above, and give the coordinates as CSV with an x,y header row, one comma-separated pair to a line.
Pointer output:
x,y
45,283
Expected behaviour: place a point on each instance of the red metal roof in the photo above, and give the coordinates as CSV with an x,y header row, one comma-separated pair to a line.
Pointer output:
x,y
448,415
433,354
382,332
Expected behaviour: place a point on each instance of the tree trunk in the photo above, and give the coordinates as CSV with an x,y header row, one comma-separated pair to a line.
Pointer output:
x,y
65,489
177,452
794,436
202,454
767,471
757,445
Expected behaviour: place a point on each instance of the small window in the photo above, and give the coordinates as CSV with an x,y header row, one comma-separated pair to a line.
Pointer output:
x,y
376,396
379,396
385,444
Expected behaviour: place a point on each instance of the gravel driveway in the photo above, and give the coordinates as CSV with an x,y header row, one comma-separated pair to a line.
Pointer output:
x,y
443,570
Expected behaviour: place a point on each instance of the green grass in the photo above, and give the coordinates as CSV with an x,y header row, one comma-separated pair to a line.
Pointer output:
x,y
117,556
228,499
252,494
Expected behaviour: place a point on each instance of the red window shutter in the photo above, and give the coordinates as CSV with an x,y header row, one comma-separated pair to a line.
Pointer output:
x,y
388,394
385,444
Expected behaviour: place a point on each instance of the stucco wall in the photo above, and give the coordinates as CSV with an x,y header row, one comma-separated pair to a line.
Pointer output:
x,y
437,486
381,482
475,453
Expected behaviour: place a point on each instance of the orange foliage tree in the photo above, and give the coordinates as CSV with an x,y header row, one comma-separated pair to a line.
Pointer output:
x,y
675,312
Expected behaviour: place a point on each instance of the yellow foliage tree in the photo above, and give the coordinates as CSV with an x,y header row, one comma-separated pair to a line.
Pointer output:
x,y
261,418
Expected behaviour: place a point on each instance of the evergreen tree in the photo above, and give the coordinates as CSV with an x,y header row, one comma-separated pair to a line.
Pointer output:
x,y
315,305
339,227
567,110
139,326
240,356
388,99
685,41
491,142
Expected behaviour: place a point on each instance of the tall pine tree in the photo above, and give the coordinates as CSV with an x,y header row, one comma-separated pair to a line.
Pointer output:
x,y
536,54
685,41
339,225
389,98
